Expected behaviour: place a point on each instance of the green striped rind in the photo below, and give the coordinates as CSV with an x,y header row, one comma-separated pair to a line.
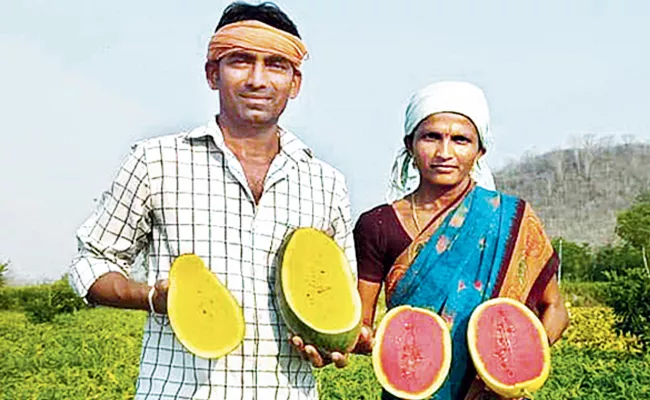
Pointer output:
x,y
341,341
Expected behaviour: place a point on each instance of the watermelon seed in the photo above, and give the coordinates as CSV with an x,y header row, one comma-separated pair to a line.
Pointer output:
x,y
323,289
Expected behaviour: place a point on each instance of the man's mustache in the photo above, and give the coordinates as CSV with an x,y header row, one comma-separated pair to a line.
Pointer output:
x,y
257,94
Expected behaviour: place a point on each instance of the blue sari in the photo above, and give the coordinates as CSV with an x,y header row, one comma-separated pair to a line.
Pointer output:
x,y
462,264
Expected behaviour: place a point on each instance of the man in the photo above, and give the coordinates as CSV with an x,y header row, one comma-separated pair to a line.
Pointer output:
x,y
229,192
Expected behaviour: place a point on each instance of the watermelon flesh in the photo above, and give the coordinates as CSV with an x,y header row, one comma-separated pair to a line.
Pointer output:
x,y
509,347
508,353
317,291
413,352
204,315
407,360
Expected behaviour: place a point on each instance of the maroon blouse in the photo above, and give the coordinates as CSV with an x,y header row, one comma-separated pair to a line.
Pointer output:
x,y
379,238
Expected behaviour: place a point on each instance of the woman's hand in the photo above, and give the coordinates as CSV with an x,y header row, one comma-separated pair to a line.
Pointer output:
x,y
366,341
369,293
555,316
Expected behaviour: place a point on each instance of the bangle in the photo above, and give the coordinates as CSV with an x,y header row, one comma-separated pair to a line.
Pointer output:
x,y
150,298
159,318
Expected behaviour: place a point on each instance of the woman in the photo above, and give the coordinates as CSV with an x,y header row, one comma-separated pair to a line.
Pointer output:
x,y
450,242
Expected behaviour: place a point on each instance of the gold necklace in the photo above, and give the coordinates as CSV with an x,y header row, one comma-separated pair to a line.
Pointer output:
x,y
414,213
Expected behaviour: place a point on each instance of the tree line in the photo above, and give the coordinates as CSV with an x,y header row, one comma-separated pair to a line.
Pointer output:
x,y
623,266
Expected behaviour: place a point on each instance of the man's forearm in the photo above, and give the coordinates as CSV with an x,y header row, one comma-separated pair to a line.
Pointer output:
x,y
115,290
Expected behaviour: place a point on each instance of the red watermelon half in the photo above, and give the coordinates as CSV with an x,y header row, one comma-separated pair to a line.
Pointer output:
x,y
412,352
509,347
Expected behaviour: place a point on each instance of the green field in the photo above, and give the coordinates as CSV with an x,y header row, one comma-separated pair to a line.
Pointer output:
x,y
93,354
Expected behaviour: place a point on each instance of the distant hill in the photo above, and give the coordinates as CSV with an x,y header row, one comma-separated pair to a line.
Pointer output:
x,y
578,192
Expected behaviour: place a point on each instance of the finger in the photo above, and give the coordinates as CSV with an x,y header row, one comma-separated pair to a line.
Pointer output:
x,y
366,331
313,356
160,304
297,342
340,360
365,341
160,295
162,286
368,337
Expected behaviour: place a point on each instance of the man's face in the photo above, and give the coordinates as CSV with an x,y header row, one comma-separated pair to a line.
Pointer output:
x,y
253,86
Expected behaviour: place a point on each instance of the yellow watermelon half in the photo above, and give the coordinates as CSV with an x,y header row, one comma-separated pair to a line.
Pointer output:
x,y
412,353
509,347
204,315
316,291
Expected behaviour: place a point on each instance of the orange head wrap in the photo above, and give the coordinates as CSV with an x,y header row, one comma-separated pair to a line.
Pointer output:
x,y
257,36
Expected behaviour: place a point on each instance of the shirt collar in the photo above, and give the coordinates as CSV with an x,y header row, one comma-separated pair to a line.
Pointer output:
x,y
290,145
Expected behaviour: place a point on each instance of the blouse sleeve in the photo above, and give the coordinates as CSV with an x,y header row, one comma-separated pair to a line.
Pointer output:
x,y
369,248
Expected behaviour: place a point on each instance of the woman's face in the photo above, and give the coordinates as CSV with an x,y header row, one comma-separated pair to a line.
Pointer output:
x,y
445,147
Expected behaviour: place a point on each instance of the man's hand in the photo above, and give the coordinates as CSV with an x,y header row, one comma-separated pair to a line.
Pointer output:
x,y
115,290
159,298
317,359
364,345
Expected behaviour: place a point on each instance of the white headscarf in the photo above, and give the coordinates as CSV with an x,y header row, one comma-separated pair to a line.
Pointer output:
x,y
457,97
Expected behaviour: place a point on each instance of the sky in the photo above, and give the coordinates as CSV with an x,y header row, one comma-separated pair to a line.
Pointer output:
x,y
80,81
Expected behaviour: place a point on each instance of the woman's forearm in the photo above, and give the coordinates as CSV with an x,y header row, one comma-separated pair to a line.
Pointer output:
x,y
369,292
555,319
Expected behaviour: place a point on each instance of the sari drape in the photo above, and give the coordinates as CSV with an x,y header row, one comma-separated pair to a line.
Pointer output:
x,y
487,244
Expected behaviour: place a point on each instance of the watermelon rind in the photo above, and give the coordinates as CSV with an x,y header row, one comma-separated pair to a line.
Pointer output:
x,y
520,389
327,340
376,355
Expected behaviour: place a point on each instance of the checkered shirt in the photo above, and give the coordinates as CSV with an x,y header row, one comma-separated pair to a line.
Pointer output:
x,y
187,193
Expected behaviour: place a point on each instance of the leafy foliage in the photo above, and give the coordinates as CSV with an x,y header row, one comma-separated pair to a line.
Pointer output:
x,y
633,224
584,263
643,197
356,381
593,327
577,259
4,267
619,259
41,303
585,294
94,353
91,354
629,296
589,373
